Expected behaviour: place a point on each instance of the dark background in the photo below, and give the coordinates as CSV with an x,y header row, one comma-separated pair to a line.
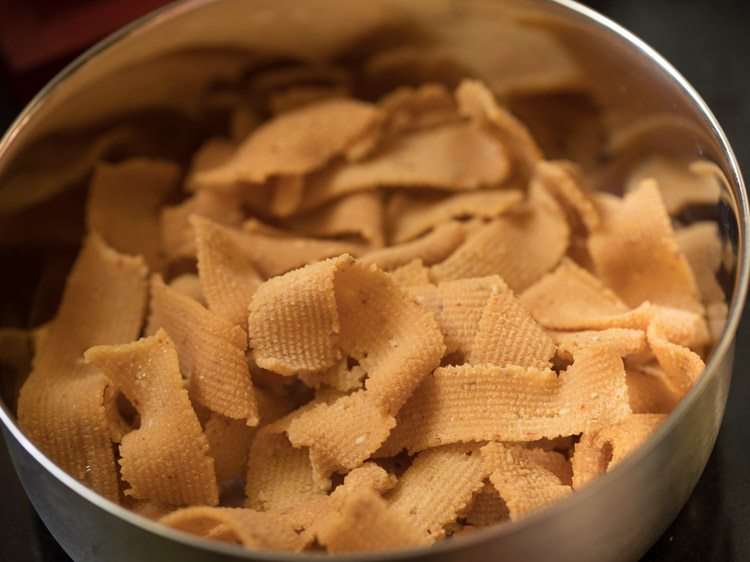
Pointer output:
x,y
709,42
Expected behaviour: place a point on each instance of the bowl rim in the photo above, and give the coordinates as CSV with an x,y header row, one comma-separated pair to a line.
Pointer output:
x,y
723,347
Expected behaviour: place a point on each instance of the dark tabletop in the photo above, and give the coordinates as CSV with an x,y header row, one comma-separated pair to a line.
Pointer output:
x,y
709,42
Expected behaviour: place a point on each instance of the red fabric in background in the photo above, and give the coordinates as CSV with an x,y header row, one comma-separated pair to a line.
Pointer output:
x,y
38,37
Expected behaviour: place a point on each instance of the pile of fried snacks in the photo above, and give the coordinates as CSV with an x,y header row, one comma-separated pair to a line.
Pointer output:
x,y
363,326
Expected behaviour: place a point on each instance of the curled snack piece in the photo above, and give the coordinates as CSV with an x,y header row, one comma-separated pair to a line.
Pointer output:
x,y
307,320
507,334
61,406
211,350
411,215
453,157
412,274
517,404
598,451
123,205
275,252
650,392
166,459
524,483
359,215
430,248
249,528
487,507
563,180
423,107
228,277
636,254
457,471
520,247
297,142
367,523
569,296
478,102
177,236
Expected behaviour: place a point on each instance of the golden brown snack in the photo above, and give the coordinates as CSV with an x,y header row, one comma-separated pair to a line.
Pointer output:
x,y
166,459
61,405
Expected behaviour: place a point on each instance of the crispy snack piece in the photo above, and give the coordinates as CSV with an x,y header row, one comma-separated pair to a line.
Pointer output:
x,y
487,507
275,252
410,215
457,471
598,451
293,321
564,180
412,274
295,97
507,334
517,404
475,100
229,442
452,157
189,284
297,142
214,152
680,184
635,253
422,107
367,523
124,202
520,246
228,277
430,248
249,528
649,392
359,215
524,483
348,310
177,236
61,406
211,350
166,459
286,194
569,296
278,475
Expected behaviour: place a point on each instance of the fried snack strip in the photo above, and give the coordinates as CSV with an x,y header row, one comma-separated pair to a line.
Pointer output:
x,y
650,392
177,236
475,100
359,215
347,309
563,180
228,277
412,274
275,252
598,451
297,142
568,297
430,248
411,215
517,404
487,507
636,255
249,528
520,247
457,471
166,459
524,483
61,406
123,205
422,107
452,157
367,523
211,351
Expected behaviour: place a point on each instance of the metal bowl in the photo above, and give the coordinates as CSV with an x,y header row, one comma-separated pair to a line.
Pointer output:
x,y
153,77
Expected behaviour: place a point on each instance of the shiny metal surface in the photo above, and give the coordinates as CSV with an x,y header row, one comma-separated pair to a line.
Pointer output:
x,y
164,65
